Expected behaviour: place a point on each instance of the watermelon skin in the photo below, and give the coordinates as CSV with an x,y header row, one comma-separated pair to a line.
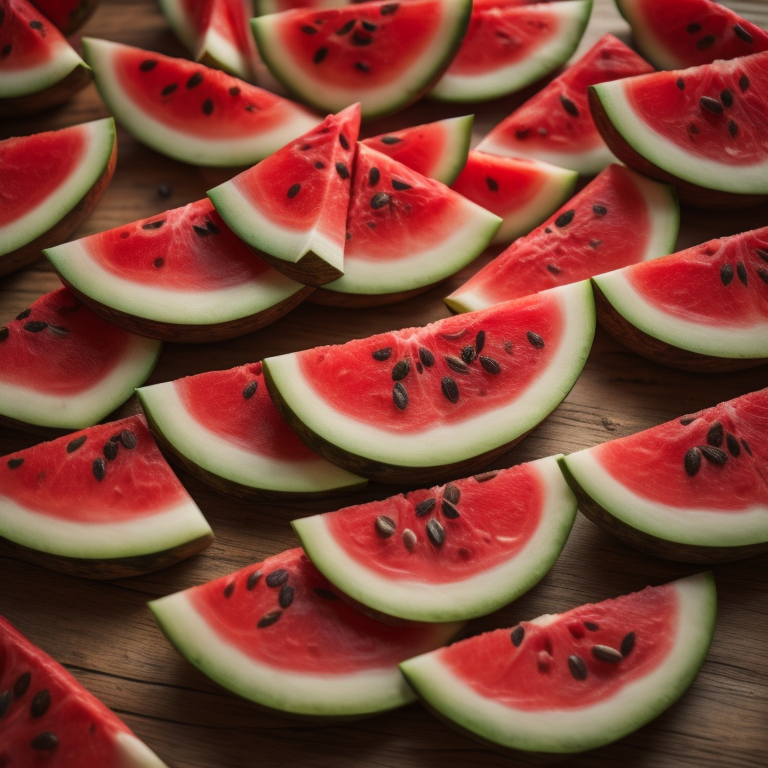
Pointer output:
x,y
206,287
508,47
522,698
555,124
98,507
44,204
502,533
218,120
688,33
354,416
242,447
591,233
640,488
714,159
318,657
77,728
386,66
703,309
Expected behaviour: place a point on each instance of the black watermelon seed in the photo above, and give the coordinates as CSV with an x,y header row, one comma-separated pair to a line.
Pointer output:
x,y
762,273
517,636
207,107
686,420
726,274
599,210
400,185
148,65
711,105
342,170
343,141
200,231
385,526
277,578
492,184
606,653
360,39
169,89
401,369
762,253
565,218
591,626
4,333
456,365
253,580
742,34
449,510
595,243
5,702
229,589
714,455
5,52
569,106
195,80
452,493
522,133
319,165
250,108
153,224
128,439
693,129
158,262
692,461
15,463
35,326
99,468
450,389
627,644
733,445
361,66
733,128
309,30
480,341
320,55
425,507
73,445
743,83
326,594
293,191
250,389
268,619
426,357
680,83
419,367
285,598
212,228
45,741
706,42
535,339
468,354
369,25
379,200
746,447
389,9
726,97
741,271
346,28
715,435
382,354
374,176
400,396
693,28
390,140
490,365
435,532
486,476
21,685
578,667
234,90
110,450
25,313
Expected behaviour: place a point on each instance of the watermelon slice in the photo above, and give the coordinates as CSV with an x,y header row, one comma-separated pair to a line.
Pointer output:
x,y
242,446
573,681
555,124
64,367
449,553
292,207
619,218
278,634
51,720
522,191
687,33
38,67
423,404
436,150
405,233
382,54
190,112
42,203
702,309
693,489
101,503
509,46
206,286
701,129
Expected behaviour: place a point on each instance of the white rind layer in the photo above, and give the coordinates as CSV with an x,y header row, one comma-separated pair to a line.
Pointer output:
x,y
668,155
186,147
230,461
226,55
443,445
572,16
98,144
177,525
564,731
457,600
63,60
458,131
88,406
358,693
135,753
692,526
724,338
645,37
73,261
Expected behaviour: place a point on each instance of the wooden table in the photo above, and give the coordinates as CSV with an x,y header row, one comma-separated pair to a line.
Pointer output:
x,y
105,635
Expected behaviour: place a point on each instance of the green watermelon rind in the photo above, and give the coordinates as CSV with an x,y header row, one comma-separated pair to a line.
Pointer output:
x,y
473,596
224,458
573,14
564,732
394,96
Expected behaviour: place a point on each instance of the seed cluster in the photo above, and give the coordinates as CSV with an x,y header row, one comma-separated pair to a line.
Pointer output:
x,y
717,105
38,706
712,451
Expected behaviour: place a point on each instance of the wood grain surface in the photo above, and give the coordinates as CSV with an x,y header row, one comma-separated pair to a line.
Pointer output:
x,y
104,633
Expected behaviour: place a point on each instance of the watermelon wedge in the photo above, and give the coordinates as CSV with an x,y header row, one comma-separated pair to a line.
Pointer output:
x,y
101,503
51,720
693,489
449,553
702,309
405,233
278,634
555,124
522,191
427,403
242,446
206,286
292,207
573,681
63,367
701,129
436,150
687,33
43,203
509,46
190,112
383,54
38,67
619,218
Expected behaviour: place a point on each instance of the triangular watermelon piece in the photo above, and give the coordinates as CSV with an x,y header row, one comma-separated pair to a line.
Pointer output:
x,y
292,207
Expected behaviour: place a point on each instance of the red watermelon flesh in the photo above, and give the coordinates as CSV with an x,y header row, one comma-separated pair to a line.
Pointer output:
x,y
49,719
27,36
67,15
